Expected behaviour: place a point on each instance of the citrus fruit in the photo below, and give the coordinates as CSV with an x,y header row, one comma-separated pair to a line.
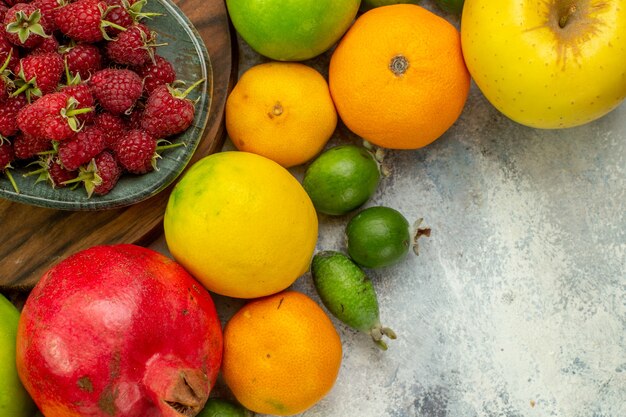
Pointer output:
x,y
370,4
14,400
378,236
292,30
241,224
398,78
348,294
281,354
217,407
451,6
341,179
281,110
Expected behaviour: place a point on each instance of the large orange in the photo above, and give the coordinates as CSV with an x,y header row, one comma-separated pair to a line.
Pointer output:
x,y
281,354
398,78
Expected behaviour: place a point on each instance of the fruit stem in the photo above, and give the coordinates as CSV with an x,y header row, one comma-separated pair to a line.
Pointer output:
x,y
568,13
12,180
190,89
377,332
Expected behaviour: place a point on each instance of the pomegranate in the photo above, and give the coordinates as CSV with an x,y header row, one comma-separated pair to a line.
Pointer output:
x,y
119,331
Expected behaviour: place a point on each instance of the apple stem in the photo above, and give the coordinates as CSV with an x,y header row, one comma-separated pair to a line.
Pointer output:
x,y
568,13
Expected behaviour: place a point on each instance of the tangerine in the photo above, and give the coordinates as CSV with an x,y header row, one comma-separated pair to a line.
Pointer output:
x,y
282,354
281,110
398,78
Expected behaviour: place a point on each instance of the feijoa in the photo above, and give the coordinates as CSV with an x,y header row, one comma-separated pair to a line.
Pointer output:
x,y
218,407
348,294
341,179
377,237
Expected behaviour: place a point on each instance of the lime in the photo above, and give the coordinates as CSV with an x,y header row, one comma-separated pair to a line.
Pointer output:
x,y
292,30
377,237
217,407
341,179
14,400
370,4
451,6
348,294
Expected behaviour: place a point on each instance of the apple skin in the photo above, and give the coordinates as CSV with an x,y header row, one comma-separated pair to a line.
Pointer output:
x,y
539,74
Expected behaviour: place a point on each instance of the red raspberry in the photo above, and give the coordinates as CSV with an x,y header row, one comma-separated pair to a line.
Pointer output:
x,y
116,90
25,26
47,45
26,146
81,148
52,117
112,125
107,170
48,10
40,74
167,112
7,47
134,47
82,21
155,74
136,152
6,157
121,14
57,175
83,59
82,93
9,108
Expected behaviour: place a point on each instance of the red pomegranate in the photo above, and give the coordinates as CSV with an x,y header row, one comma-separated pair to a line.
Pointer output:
x,y
119,331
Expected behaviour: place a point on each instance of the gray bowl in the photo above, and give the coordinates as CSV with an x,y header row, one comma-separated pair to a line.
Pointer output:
x,y
186,50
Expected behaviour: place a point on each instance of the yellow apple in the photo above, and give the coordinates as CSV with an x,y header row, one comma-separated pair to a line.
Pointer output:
x,y
547,63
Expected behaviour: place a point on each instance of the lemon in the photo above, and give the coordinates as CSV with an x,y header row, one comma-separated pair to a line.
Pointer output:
x,y
241,224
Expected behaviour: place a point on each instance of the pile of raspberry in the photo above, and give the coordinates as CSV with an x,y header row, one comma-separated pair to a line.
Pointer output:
x,y
84,97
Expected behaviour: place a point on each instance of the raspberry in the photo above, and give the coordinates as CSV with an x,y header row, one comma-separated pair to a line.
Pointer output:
x,y
134,47
135,152
26,146
112,126
25,25
82,20
81,148
155,74
168,112
116,90
9,109
83,59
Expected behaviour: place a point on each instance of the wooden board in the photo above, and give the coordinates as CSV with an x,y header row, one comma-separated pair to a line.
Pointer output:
x,y
34,238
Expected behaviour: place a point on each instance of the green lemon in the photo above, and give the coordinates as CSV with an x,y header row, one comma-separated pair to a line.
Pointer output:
x,y
348,294
292,30
217,407
14,400
377,237
451,6
341,179
370,4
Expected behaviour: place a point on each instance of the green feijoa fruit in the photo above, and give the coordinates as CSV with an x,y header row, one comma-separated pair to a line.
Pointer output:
x,y
451,6
217,407
348,294
377,237
341,179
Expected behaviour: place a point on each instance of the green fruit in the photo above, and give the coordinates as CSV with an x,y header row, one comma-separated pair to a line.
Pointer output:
x,y
217,407
348,294
341,179
292,30
451,6
370,4
14,400
377,237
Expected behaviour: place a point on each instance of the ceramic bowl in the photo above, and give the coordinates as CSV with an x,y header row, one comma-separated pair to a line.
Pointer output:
x,y
186,51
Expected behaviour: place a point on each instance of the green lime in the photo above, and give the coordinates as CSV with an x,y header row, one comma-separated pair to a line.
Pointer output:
x,y
451,6
217,407
292,30
377,237
370,4
14,400
341,179
348,294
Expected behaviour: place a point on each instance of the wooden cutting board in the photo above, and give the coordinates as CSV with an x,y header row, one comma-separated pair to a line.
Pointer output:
x,y
34,238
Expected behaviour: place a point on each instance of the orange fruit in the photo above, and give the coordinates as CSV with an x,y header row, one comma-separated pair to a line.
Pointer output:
x,y
281,354
281,110
398,78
